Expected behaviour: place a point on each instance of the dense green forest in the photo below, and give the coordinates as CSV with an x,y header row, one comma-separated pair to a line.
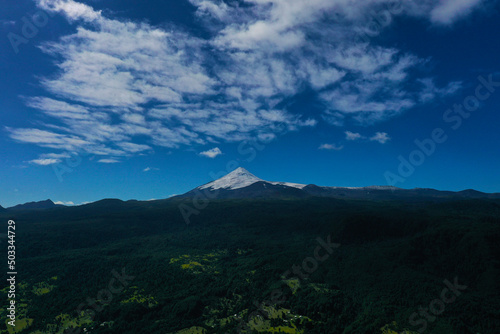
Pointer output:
x,y
315,265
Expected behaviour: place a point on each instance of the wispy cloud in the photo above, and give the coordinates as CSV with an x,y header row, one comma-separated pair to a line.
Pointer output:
x,y
46,138
49,159
55,155
212,153
109,161
431,92
71,9
448,11
45,162
123,87
148,169
330,147
352,135
133,148
381,137
7,23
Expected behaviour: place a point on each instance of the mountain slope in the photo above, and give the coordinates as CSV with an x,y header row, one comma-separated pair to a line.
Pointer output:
x,y
239,178
47,204
240,183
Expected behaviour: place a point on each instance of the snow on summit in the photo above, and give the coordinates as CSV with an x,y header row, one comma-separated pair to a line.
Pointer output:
x,y
238,178
241,178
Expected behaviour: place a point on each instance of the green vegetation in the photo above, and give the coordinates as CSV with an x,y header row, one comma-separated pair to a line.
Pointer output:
x,y
212,275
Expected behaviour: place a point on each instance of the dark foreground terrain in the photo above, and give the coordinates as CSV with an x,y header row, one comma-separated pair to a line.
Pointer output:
x,y
314,265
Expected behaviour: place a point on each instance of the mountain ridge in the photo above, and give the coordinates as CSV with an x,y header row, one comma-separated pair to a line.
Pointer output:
x,y
240,183
46,204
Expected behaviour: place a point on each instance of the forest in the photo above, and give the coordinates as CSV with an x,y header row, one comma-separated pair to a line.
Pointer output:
x,y
313,265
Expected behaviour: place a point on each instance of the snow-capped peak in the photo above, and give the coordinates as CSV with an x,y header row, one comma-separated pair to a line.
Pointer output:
x,y
238,178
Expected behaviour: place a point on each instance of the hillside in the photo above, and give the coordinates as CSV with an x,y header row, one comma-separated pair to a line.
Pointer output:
x,y
240,184
47,204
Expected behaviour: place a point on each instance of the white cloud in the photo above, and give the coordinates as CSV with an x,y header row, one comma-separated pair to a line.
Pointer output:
x,y
59,109
109,161
381,137
448,11
212,153
46,138
49,159
330,147
431,92
119,68
71,9
208,8
352,135
134,148
120,82
64,203
45,162
147,169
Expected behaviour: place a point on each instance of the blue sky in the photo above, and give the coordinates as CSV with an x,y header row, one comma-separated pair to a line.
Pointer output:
x,y
134,100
